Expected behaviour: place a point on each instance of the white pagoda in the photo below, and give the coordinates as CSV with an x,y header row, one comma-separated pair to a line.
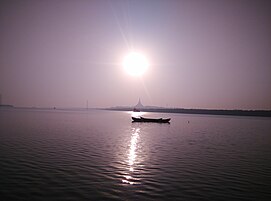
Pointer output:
x,y
139,105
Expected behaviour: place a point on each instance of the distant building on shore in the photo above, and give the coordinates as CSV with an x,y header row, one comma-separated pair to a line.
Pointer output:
x,y
139,105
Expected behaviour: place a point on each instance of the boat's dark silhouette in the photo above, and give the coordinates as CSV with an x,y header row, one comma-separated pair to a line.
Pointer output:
x,y
142,119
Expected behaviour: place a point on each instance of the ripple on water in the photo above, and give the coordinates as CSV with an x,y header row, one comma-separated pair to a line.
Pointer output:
x,y
101,155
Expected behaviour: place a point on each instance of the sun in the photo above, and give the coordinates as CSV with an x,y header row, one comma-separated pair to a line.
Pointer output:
x,y
135,64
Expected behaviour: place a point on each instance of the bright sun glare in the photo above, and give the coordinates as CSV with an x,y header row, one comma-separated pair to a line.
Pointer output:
x,y
135,63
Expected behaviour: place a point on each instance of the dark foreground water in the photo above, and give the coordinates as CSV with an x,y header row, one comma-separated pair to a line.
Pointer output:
x,y
101,155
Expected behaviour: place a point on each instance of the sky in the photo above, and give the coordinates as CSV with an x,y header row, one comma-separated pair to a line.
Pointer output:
x,y
211,54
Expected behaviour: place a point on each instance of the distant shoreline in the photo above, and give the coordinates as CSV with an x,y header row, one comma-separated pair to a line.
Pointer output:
x,y
254,113
257,113
6,106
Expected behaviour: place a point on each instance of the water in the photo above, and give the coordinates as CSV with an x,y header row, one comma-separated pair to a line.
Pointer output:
x,y
101,155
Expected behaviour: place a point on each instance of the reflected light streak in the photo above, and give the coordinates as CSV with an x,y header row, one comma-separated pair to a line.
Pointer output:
x,y
132,153
136,114
132,157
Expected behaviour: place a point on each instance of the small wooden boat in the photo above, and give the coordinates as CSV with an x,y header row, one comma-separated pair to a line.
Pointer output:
x,y
142,119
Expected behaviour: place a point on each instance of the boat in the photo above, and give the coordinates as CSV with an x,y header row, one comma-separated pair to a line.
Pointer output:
x,y
136,110
142,119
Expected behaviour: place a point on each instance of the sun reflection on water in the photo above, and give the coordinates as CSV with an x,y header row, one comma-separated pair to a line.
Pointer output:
x,y
132,155
136,114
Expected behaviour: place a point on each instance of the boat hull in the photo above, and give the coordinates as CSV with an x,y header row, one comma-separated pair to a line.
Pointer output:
x,y
142,119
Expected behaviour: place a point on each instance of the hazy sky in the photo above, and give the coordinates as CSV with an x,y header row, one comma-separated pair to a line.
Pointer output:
x,y
203,53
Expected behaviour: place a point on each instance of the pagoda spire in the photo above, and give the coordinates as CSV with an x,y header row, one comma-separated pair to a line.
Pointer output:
x,y
139,104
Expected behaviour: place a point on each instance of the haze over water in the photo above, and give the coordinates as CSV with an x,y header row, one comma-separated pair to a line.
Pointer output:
x,y
102,155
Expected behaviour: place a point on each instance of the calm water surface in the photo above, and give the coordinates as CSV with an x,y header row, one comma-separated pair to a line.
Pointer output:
x,y
101,155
